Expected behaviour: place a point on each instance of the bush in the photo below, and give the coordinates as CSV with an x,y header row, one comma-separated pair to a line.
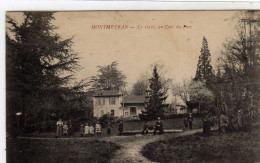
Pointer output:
x,y
105,120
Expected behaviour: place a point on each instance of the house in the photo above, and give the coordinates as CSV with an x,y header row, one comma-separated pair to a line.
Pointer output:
x,y
115,103
112,102
133,105
107,102
175,105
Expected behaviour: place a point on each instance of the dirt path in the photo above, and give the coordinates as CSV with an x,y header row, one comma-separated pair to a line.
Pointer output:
x,y
131,146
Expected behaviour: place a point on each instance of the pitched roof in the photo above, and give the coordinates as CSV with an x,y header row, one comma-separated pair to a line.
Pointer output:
x,y
107,93
134,99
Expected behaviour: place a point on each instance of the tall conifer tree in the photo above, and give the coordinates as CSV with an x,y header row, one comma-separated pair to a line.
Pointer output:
x,y
156,96
204,71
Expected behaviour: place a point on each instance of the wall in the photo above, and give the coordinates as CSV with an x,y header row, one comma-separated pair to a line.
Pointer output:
x,y
107,107
139,108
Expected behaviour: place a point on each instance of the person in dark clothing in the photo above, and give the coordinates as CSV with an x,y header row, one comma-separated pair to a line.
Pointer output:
x,y
190,119
121,128
108,129
145,129
206,126
158,127
71,128
185,123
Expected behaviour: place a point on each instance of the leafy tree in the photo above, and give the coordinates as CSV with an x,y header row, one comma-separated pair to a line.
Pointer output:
x,y
156,96
240,66
204,71
109,78
39,64
195,94
140,87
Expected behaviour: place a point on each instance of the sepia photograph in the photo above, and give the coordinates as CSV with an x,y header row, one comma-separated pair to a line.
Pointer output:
x,y
133,86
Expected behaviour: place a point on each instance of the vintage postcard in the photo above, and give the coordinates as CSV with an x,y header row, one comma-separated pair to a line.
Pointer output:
x,y
133,86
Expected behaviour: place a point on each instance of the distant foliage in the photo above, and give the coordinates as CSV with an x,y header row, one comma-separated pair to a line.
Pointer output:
x,y
237,86
109,78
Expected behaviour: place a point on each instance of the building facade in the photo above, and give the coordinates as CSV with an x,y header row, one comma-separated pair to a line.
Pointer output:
x,y
119,105
114,103
107,102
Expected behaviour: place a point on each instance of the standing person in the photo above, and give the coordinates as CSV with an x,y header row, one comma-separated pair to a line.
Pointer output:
x,y
121,128
86,129
98,128
82,130
206,125
65,129
190,119
108,129
239,119
59,125
185,123
145,129
91,130
71,128
223,120
158,126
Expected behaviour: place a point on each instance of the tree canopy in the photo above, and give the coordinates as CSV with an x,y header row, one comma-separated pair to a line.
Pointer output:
x,y
39,66
108,78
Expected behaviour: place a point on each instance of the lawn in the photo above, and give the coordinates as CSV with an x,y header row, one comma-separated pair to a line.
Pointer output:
x,y
233,147
174,123
59,150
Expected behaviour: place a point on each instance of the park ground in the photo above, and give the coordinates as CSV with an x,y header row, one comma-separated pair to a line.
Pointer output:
x,y
187,146
232,147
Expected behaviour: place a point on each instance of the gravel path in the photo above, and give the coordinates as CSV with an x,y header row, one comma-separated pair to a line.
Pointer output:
x,y
131,146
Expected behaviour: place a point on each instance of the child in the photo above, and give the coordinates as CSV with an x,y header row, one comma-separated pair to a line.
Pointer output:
x,y
91,130
145,129
70,128
98,128
82,130
185,123
86,133
120,128
65,129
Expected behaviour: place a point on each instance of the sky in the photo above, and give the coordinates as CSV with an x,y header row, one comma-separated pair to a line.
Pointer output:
x,y
135,49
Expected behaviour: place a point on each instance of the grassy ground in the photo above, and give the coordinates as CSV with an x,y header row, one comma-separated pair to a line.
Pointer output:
x,y
175,123
57,150
237,147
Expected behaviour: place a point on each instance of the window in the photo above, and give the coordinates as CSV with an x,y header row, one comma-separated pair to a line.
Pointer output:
x,y
97,101
100,101
126,113
132,110
112,101
112,112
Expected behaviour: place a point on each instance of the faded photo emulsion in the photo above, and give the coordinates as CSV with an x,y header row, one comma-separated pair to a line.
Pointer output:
x,y
133,86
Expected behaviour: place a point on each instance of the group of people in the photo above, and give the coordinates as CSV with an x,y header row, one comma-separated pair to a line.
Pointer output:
x,y
158,127
89,130
64,128
188,121
67,129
